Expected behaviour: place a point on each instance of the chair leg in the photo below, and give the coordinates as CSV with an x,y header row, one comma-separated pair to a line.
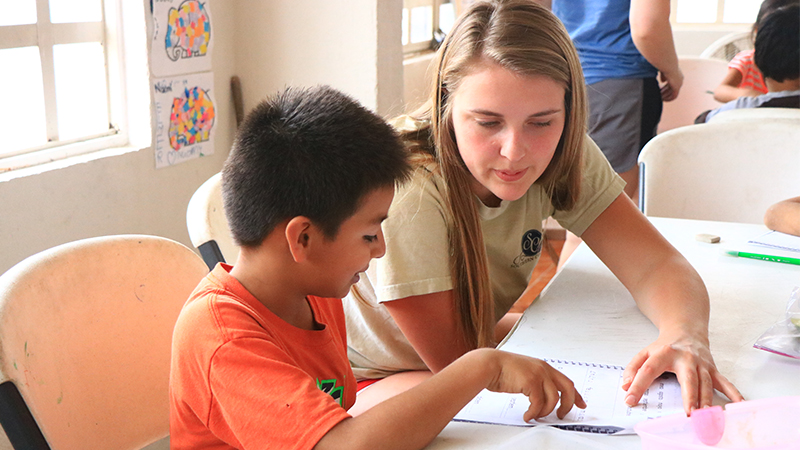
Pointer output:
x,y
18,422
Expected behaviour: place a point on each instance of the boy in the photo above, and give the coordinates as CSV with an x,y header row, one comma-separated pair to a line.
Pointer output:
x,y
259,350
777,55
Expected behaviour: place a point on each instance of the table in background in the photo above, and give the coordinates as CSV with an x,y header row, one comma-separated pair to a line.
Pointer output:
x,y
585,314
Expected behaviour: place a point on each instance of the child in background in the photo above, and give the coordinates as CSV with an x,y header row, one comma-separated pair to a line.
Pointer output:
x,y
259,350
784,216
777,53
744,79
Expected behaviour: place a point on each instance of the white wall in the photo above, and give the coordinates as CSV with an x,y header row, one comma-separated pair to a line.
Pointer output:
x,y
306,42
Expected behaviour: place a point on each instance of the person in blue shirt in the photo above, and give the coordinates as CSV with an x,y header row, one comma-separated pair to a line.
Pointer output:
x,y
625,47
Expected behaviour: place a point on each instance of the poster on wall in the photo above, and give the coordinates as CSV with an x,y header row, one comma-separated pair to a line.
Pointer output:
x,y
182,37
185,118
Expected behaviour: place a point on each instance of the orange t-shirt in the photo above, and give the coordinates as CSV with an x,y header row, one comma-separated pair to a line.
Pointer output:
x,y
241,377
751,76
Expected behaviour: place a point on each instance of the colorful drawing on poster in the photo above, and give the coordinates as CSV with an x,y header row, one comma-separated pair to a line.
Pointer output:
x,y
191,119
185,118
182,40
188,31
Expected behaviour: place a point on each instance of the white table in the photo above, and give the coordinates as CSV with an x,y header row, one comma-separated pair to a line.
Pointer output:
x,y
585,314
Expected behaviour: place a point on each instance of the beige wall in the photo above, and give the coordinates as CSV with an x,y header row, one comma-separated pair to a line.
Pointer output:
x,y
306,42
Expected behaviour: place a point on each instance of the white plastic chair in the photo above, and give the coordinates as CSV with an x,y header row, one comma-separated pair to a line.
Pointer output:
x,y
791,115
726,47
85,340
727,171
701,77
208,226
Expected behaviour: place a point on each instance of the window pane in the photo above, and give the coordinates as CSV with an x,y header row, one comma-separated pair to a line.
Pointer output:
x,y
22,119
421,24
17,12
697,11
447,16
69,11
740,11
81,99
405,26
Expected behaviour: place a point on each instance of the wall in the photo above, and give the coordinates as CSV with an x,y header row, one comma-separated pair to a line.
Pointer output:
x,y
352,45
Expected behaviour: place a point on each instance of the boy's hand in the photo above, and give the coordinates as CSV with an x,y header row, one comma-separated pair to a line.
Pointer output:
x,y
688,358
537,380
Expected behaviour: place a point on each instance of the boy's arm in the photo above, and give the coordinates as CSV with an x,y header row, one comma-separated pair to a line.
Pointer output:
x,y
784,216
652,36
729,90
413,418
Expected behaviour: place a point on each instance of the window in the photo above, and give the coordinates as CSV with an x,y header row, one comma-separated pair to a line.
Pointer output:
x,y
425,22
715,12
61,84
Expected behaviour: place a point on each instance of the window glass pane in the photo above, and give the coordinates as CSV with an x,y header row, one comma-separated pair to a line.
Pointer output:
x,y
17,12
22,119
81,98
69,11
421,24
405,26
740,11
697,11
447,16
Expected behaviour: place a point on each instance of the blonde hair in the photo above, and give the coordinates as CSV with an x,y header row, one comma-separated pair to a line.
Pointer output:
x,y
527,39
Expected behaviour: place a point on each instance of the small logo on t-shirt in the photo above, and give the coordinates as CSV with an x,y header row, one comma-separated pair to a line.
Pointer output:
x,y
531,247
329,387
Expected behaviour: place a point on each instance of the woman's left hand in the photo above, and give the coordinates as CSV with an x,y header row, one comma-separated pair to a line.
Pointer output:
x,y
689,358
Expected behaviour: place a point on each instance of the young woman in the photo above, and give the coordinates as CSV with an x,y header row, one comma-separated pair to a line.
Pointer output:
x,y
501,146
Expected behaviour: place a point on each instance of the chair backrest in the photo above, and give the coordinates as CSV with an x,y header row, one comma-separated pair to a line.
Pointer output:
x,y
701,77
726,47
208,226
85,339
729,171
791,115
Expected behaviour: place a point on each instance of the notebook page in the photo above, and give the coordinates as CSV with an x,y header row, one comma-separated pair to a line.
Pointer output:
x,y
600,386
776,239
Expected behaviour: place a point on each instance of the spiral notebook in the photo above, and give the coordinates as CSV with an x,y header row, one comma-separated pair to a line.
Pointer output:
x,y
600,385
777,240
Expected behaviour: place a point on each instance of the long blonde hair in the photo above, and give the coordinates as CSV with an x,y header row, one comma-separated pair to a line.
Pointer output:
x,y
527,39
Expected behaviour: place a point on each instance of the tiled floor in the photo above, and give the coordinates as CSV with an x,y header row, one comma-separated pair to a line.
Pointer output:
x,y
544,271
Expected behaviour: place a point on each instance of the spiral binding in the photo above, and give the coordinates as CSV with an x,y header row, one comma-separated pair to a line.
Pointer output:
x,y
578,363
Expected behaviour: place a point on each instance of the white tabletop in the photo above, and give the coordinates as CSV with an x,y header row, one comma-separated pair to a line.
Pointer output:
x,y
585,314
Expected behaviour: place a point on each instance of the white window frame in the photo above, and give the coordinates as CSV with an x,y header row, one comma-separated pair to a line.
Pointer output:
x,y
418,47
718,24
45,35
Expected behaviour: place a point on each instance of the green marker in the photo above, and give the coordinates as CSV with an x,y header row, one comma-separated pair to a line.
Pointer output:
x,y
780,259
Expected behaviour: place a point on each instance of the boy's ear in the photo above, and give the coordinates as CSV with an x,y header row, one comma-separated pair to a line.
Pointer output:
x,y
298,231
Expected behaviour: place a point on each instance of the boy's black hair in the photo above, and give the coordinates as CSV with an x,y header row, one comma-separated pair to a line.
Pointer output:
x,y
307,152
777,49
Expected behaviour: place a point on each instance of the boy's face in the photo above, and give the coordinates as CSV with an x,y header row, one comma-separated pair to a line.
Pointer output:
x,y
360,238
